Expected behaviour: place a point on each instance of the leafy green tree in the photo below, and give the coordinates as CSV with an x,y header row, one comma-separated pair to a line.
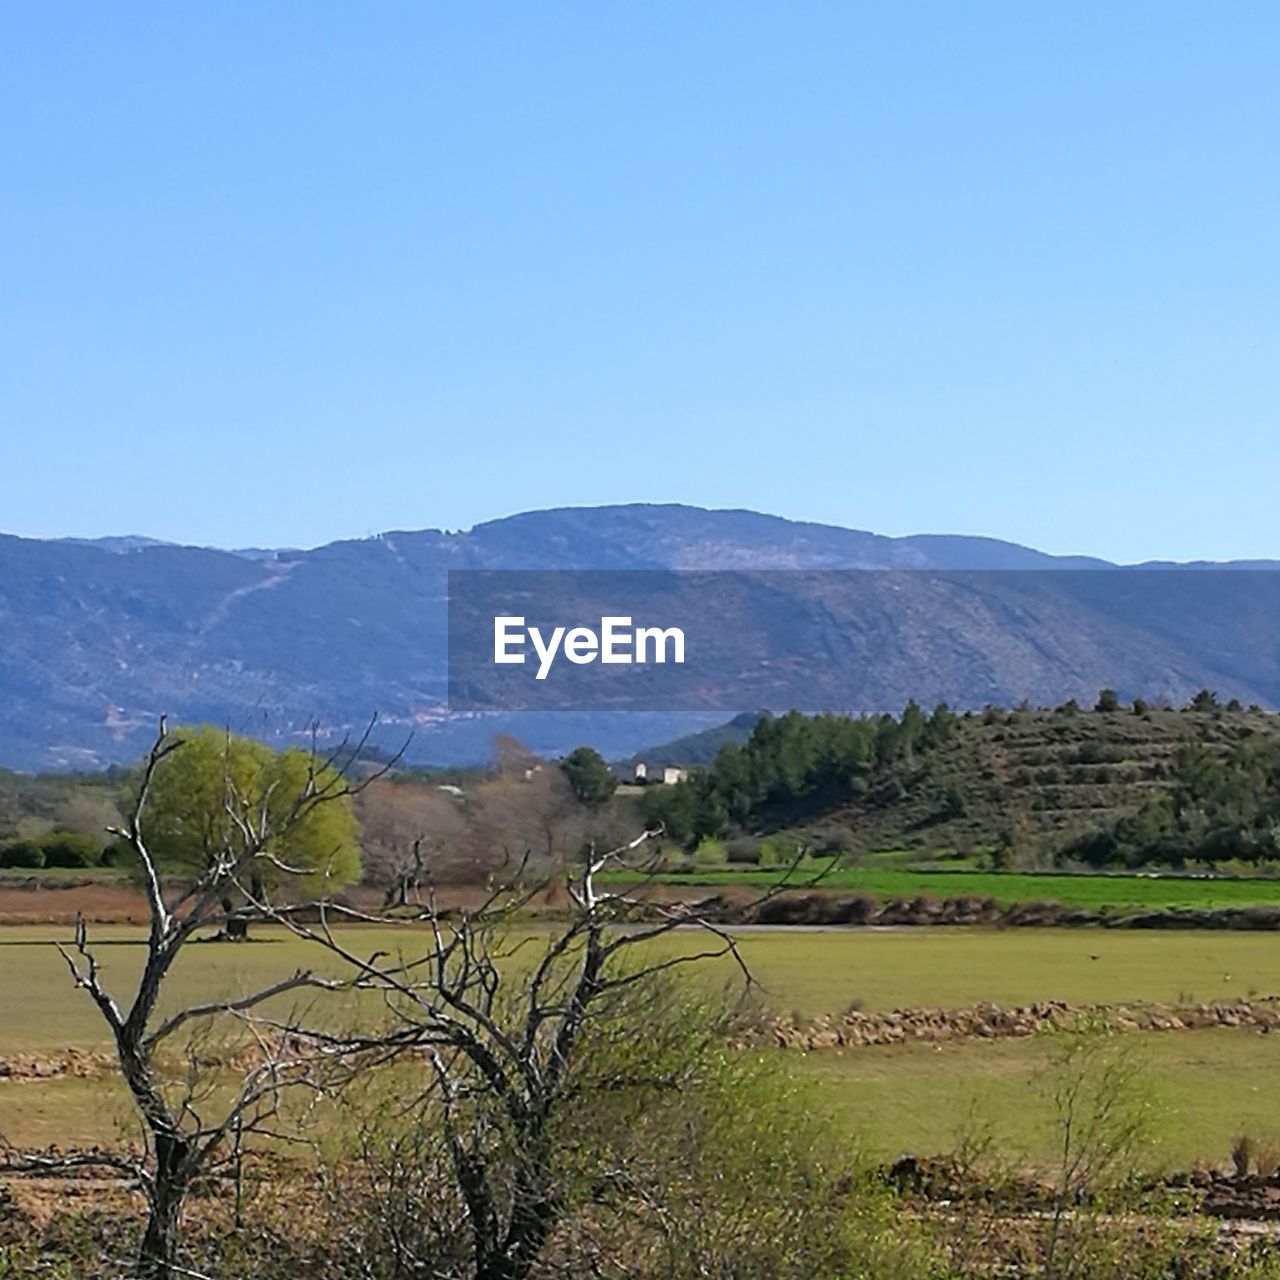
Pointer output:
x,y
70,849
1107,701
942,724
187,823
672,810
733,774
591,779
913,723
711,819
954,801
710,853
889,741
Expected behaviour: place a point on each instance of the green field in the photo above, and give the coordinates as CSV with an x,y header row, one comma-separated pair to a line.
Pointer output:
x,y
1202,1088
811,971
1207,1085
1098,892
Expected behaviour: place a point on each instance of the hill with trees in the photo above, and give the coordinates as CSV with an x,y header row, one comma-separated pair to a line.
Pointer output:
x,y
1112,784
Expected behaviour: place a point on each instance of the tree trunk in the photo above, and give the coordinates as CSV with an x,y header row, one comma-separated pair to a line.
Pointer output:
x,y
533,1214
530,1229
158,1254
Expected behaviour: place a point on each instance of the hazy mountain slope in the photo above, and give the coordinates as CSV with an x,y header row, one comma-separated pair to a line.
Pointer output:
x,y
698,748
97,638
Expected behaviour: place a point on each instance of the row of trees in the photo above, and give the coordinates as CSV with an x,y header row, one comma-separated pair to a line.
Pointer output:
x,y
521,810
64,849
520,807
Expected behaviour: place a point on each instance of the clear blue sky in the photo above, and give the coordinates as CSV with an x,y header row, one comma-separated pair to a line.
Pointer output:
x,y
281,273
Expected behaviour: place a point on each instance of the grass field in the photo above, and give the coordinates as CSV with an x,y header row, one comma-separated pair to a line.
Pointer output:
x,y
1202,1089
1099,892
810,971
1207,1085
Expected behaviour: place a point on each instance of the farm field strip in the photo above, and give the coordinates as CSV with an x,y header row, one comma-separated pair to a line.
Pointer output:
x,y
1200,1090
1205,1085
805,971
1099,892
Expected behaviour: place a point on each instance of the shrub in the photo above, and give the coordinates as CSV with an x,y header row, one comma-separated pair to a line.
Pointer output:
x,y
1107,701
710,853
892,791
777,851
22,853
1267,1159
832,840
954,804
1000,856
743,851
70,849
119,853
726,1168
1095,849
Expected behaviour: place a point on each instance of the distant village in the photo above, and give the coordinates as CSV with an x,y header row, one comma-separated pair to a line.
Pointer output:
x,y
670,775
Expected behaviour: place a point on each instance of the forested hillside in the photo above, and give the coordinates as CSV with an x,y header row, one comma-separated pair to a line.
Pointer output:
x,y
1107,785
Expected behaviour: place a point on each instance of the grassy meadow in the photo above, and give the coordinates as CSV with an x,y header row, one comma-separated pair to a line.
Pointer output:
x,y
1201,1089
807,971
1205,1086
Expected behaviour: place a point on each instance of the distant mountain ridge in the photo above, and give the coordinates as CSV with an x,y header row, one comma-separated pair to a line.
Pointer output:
x,y
97,637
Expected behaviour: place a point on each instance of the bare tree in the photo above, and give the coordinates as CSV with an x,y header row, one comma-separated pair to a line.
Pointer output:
x,y
411,833
90,811
524,813
502,1025
187,1129
415,833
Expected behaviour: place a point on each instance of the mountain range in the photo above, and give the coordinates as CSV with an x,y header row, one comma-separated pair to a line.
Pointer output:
x,y
98,638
